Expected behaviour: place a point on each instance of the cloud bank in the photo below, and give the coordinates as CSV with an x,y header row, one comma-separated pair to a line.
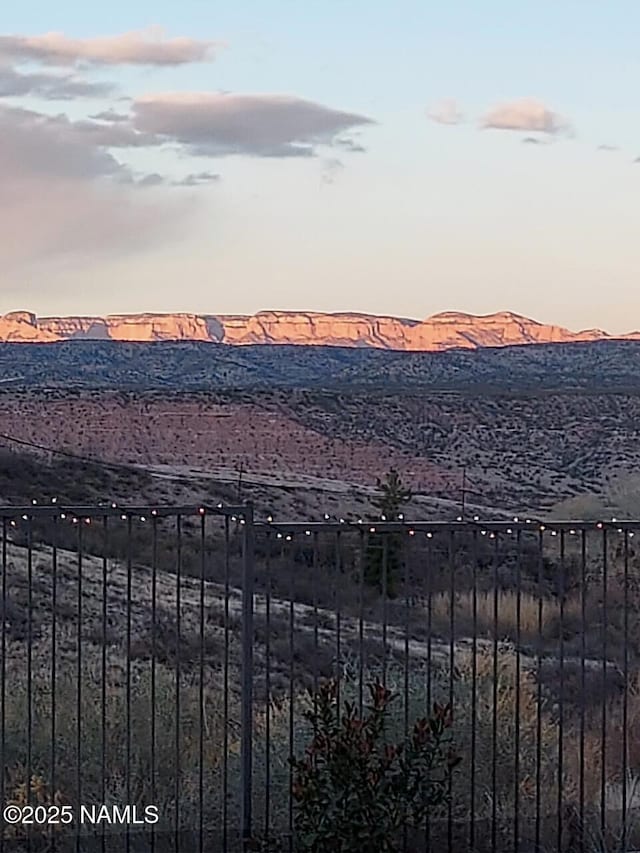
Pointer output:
x,y
446,112
143,47
528,115
215,124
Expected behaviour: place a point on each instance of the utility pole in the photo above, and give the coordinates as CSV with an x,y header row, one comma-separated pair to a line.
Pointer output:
x,y
464,492
240,469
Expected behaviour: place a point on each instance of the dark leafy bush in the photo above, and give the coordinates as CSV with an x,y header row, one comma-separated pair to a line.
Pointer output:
x,y
353,790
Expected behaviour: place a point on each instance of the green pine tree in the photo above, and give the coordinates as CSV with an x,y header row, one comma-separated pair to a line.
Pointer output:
x,y
383,558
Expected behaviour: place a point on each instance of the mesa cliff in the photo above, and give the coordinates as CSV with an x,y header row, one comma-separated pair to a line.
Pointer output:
x,y
447,330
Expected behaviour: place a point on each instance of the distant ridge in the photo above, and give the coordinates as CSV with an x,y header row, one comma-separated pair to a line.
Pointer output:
x,y
444,331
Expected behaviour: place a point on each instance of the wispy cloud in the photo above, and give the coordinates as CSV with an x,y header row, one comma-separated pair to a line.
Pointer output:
x,y
261,125
196,179
446,112
14,83
527,115
142,47
62,193
607,148
111,116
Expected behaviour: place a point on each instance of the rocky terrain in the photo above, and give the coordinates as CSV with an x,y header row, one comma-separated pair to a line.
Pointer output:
x,y
192,365
303,452
447,330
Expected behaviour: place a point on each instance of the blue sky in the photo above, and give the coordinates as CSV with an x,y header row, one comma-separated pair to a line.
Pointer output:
x,y
392,211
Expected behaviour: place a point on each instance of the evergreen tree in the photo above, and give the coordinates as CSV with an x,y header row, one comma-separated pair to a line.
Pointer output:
x,y
384,551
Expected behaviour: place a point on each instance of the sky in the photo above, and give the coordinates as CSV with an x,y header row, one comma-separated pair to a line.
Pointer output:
x,y
396,158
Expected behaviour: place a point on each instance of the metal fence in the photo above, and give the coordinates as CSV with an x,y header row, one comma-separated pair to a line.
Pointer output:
x,y
162,660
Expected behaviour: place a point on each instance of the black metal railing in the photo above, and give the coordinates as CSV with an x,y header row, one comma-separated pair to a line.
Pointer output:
x,y
162,658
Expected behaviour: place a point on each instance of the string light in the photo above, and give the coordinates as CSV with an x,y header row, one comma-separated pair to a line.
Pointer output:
x,y
307,533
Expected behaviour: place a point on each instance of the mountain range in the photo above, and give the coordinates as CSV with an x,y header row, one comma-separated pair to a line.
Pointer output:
x,y
444,331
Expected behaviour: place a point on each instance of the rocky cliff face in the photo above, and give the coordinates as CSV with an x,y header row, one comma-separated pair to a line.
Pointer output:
x,y
440,332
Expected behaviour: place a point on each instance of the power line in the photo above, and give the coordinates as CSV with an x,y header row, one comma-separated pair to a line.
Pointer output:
x,y
88,461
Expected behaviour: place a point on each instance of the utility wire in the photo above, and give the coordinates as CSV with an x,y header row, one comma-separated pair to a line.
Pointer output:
x,y
99,462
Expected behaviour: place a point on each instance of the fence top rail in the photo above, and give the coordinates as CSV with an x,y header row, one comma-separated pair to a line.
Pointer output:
x,y
409,526
113,510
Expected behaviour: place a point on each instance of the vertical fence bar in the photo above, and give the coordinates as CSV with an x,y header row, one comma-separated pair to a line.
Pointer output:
x,y
361,623
474,688
225,688
79,679
177,757
385,616
561,597
494,707
429,593
128,668
246,745
54,628
539,688
154,617
406,553
201,691
583,683
316,638
605,628
516,722
29,670
625,696
3,676
267,692
336,589
291,689
103,677
452,665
